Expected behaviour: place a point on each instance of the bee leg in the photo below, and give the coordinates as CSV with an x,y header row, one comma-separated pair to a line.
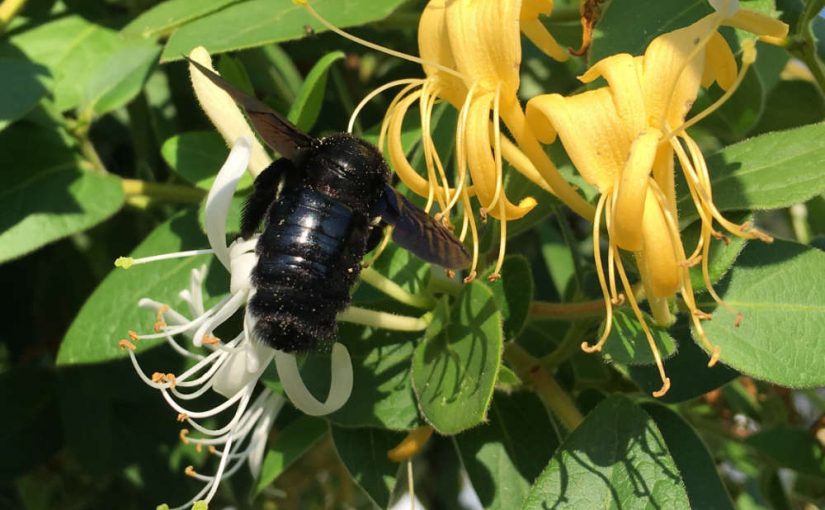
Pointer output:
x,y
375,236
263,194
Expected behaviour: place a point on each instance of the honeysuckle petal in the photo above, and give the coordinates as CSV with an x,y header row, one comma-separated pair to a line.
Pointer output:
x,y
673,70
535,30
220,197
486,42
340,386
223,112
660,268
630,204
434,46
623,73
590,130
244,365
758,24
720,63
481,161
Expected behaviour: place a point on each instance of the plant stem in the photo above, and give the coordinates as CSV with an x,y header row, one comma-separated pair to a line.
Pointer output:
x,y
160,191
395,291
570,345
551,394
8,10
567,311
806,48
384,320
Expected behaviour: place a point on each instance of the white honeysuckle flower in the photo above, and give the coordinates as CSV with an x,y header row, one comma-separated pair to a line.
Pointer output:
x,y
231,369
224,113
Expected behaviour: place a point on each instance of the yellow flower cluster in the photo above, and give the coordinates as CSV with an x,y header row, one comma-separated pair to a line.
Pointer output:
x,y
623,138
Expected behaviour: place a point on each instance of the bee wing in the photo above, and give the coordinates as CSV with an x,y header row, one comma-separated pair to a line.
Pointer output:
x,y
416,231
274,129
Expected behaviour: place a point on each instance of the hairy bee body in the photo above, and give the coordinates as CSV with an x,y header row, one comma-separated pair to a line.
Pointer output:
x,y
317,231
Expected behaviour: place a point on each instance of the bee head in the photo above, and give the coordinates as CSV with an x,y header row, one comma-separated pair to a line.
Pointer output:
x,y
348,169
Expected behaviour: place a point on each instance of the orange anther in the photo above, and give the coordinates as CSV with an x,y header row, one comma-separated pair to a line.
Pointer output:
x,y
470,277
171,379
162,310
494,277
190,471
198,447
158,326
158,377
184,436
182,417
133,335
211,449
704,316
126,344
450,273
211,340
483,213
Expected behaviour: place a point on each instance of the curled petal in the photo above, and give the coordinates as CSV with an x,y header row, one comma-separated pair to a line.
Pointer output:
x,y
721,64
340,386
220,198
590,129
623,73
629,204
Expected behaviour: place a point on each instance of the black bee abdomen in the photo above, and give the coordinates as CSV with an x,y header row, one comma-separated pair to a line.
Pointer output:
x,y
309,257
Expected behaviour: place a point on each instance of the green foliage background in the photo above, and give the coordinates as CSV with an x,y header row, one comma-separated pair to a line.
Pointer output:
x,y
94,98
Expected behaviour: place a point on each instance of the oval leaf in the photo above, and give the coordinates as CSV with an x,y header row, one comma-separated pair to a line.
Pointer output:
x,y
774,170
289,445
617,458
260,22
23,87
166,16
780,289
627,343
504,456
455,368
44,194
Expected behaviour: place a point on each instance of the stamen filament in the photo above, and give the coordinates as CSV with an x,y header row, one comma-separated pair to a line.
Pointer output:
x,y
127,262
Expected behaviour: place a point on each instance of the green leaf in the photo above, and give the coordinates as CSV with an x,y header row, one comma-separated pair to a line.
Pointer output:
x,y
166,16
289,445
617,458
455,368
780,290
364,453
120,77
260,22
504,456
627,343
792,103
688,370
44,194
111,311
769,171
791,447
697,467
307,106
24,85
196,156
722,253
624,27
71,48
513,293
382,394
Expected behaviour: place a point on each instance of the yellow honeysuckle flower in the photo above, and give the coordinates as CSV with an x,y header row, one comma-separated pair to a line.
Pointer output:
x,y
622,138
471,53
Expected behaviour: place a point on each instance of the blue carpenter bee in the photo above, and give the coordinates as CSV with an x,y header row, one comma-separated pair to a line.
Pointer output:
x,y
326,203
